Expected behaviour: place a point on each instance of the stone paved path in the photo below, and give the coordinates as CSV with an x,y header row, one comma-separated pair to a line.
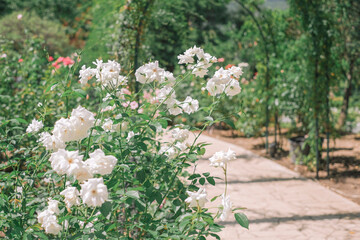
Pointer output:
x,y
280,203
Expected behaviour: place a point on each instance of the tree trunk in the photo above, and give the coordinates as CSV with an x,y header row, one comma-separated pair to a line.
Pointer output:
x,y
347,94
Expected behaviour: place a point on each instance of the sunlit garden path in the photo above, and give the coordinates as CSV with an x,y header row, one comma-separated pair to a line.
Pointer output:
x,y
280,204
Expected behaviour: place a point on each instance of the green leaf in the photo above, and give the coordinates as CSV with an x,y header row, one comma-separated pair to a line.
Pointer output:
x,y
230,123
66,93
99,235
10,147
98,128
142,146
76,236
140,205
208,118
153,128
177,202
242,220
21,120
99,226
215,235
105,209
49,87
112,226
41,235
79,93
194,176
214,198
206,174
183,224
133,194
201,151
124,166
211,180
202,181
144,116
163,122
158,197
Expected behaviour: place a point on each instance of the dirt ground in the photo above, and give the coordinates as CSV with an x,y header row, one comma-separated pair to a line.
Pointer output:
x,y
344,160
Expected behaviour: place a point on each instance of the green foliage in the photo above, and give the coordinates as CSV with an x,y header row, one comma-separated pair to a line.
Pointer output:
x,y
242,220
147,188
29,26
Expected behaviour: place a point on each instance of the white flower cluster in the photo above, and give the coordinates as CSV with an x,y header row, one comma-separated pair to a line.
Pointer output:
x,y
47,218
109,125
168,97
69,129
175,107
197,199
225,81
93,190
179,136
130,135
108,74
204,61
34,126
71,164
152,72
220,159
71,197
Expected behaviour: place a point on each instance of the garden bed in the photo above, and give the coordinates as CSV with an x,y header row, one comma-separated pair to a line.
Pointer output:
x,y
344,160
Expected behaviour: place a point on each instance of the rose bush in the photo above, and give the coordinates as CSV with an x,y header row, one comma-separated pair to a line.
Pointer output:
x,y
117,169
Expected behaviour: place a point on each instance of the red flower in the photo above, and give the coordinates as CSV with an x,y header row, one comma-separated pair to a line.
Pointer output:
x,y
51,59
229,66
221,59
20,60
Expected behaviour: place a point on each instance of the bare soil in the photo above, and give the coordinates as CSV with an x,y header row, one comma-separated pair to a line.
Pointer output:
x,y
344,177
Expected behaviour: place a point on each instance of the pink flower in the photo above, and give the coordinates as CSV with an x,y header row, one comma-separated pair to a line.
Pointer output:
x,y
68,61
134,105
55,65
221,59
125,104
125,91
19,17
157,113
140,110
147,95
51,59
20,60
60,59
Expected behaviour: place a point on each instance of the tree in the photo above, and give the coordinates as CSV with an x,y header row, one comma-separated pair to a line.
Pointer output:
x,y
347,50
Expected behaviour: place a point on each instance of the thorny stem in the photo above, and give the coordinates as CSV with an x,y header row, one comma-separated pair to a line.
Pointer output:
x,y
226,182
92,213
91,131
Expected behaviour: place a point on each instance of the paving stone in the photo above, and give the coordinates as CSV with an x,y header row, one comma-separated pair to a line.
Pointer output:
x,y
280,203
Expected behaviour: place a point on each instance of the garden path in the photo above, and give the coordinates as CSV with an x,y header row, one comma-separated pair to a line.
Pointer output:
x,y
280,203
